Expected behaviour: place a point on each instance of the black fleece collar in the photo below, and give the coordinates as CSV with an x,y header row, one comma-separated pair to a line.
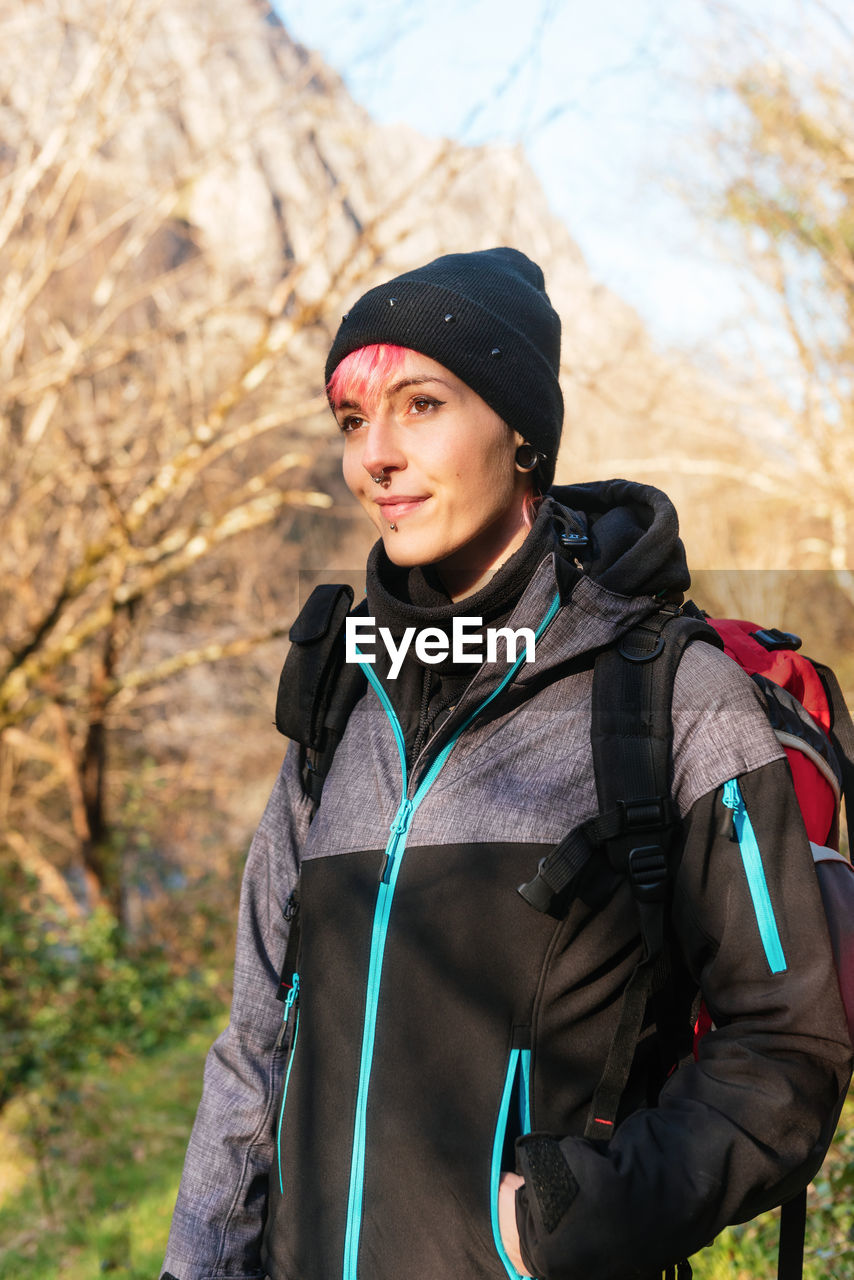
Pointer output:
x,y
633,548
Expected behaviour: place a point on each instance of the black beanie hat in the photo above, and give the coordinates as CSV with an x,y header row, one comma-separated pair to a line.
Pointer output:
x,y
485,316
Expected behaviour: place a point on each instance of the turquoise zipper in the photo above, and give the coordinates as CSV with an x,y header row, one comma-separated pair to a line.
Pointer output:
x,y
520,1062
394,850
289,1004
525,1089
755,872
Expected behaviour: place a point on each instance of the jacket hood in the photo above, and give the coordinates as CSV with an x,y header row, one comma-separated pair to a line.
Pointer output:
x,y
633,530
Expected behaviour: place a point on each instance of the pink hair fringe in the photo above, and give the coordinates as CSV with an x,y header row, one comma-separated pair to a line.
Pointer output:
x,y
362,374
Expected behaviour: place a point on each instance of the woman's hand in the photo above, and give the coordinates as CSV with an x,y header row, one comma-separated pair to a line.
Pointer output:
x,y
507,1218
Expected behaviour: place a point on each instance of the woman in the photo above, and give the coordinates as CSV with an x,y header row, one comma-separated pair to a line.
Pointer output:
x,y
422,1110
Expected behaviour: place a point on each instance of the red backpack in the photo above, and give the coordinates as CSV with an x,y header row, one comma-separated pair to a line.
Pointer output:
x,y
809,716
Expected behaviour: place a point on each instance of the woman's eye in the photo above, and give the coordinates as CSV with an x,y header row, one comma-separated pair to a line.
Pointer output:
x,y
351,422
423,404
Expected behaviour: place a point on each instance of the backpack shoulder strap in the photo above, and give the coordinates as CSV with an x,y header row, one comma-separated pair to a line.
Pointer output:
x,y
842,737
317,688
637,825
631,733
631,738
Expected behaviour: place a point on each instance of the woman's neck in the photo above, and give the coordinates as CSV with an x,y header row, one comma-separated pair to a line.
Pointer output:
x,y
464,576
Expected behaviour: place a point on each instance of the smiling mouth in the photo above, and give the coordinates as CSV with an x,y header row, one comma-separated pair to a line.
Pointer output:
x,y
394,509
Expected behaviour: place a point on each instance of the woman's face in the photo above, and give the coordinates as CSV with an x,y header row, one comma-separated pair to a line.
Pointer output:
x,y
450,486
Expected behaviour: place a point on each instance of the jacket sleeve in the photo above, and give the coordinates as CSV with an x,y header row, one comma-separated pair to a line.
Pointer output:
x,y
219,1214
746,1125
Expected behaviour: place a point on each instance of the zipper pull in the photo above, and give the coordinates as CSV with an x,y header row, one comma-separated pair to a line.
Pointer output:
x,y
402,818
398,828
731,797
733,808
291,1000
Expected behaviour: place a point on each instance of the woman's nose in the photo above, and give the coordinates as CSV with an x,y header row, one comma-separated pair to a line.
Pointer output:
x,y
382,452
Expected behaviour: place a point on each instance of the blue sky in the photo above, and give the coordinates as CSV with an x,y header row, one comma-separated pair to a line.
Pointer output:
x,y
603,94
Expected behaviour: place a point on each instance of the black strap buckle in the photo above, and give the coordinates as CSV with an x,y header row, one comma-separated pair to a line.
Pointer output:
x,y
638,655
648,814
538,892
648,871
771,638
617,828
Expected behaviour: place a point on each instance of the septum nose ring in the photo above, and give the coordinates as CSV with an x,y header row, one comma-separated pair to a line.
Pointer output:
x,y
382,478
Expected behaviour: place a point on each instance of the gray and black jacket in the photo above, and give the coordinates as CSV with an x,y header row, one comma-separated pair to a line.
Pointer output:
x,y
445,1031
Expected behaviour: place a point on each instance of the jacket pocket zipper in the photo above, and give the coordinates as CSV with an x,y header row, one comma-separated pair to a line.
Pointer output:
x,y
518,1069
751,858
291,1002
291,1007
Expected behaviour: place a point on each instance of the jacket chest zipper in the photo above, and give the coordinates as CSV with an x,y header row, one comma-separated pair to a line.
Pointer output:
x,y
391,864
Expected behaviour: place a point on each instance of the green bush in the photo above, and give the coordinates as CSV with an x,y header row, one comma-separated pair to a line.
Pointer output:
x,y
71,994
112,1165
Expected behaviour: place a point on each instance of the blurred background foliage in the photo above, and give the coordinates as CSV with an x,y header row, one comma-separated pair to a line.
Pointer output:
x,y
188,201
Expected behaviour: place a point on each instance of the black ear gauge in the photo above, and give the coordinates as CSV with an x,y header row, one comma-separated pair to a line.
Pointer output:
x,y
527,457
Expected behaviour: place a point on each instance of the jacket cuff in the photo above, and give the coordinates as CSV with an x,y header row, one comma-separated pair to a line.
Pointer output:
x,y
542,1203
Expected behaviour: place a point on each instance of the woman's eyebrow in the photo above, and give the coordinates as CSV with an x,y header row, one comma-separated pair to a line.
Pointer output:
x,y
391,391
413,382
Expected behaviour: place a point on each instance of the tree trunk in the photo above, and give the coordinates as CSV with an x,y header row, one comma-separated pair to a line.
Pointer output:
x,y
101,856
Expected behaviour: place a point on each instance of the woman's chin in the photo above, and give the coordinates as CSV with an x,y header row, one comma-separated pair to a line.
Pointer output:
x,y
403,552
